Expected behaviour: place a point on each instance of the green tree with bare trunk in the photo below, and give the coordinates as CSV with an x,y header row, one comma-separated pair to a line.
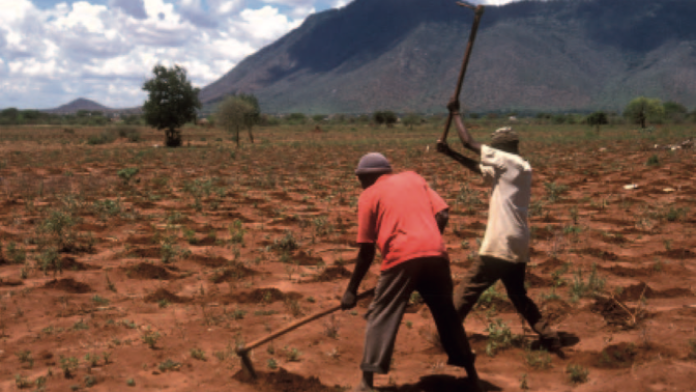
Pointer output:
x,y
642,109
235,113
172,102
596,120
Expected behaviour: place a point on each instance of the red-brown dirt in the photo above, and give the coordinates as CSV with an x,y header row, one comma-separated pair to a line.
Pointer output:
x,y
216,246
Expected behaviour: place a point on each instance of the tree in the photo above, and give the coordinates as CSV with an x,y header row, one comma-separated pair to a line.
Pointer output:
x,y
233,114
597,119
675,110
642,109
385,117
172,102
411,119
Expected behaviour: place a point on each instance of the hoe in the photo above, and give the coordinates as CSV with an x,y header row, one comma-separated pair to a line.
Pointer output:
x,y
478,13
243,350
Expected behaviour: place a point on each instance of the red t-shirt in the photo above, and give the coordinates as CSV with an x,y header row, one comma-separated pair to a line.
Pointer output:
x,y
398,214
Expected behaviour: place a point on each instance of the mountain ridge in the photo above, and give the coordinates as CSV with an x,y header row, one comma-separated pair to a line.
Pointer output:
x,y
404,55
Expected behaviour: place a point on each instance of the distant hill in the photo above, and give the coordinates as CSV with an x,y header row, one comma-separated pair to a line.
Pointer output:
x,y
79,104
404,55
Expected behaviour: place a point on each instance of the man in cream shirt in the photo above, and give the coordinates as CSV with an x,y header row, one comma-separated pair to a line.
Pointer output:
x,y
504,253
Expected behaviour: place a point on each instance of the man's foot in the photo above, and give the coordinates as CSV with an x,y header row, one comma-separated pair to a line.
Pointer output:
x,y
366,383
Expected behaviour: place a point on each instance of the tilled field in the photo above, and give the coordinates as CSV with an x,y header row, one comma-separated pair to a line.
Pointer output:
x,y
127,265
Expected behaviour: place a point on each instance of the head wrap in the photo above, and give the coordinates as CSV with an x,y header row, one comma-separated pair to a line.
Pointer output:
x,y
373,163
504,135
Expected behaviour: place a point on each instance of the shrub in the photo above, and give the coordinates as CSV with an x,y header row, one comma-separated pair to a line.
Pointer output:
x,y
107,136
577,373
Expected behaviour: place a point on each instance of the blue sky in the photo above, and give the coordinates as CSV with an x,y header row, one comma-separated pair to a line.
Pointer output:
x,y
53,51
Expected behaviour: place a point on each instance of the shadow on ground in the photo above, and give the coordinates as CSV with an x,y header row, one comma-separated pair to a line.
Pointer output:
x,y
440,383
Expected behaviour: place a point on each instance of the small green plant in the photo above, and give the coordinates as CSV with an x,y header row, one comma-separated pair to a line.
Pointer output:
x,y
127,174
539,360
25,357
80,326
92,359
169,365
100,300
292,354
21,382
150,338
523,382
190,236
500,337
238,314
163,303
197,353
577,373
236,230
554,191
111,286
286,243
272,364
69,366
579,288
654,160
130,382
90,381
692,346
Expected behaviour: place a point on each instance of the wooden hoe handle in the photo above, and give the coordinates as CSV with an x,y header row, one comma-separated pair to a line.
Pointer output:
x,y
246,348
470,46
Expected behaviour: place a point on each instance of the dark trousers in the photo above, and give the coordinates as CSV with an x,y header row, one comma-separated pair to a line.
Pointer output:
x,y
432,279
483,274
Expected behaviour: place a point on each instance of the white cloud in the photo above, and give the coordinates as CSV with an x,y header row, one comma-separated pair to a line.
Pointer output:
x,y
105,51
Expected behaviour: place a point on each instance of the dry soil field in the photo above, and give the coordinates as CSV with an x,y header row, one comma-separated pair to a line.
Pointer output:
x,y
112,279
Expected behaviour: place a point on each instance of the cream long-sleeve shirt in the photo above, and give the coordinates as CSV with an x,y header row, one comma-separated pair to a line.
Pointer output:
x,y
507,233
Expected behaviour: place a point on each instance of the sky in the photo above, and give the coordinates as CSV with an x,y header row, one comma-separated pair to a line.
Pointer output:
x,y
55,51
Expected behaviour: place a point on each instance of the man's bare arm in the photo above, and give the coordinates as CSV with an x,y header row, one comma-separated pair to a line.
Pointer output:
x,y
463,160
365,258
464,135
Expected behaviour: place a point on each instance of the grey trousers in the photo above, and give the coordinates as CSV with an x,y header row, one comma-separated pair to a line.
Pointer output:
x,y
483,274
432,279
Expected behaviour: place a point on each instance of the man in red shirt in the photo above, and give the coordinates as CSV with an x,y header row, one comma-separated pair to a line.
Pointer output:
x,y
404,218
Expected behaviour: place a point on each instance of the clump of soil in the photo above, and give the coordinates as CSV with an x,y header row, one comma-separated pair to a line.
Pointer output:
x,y
537,281
678,254
205,241
628,272
146,253
214,262
165,295
601,254
333,273
233,272
614,314
69,285
267,295
634,292
141,240
148,271
555,310
70,264
551,265
621,355
304,259
282,381
10,282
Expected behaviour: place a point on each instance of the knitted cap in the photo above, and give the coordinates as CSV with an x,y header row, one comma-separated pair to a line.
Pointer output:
x,y
504,135
373,162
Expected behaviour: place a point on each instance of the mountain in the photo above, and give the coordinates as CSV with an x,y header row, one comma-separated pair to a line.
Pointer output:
x,y
405,55
79,104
